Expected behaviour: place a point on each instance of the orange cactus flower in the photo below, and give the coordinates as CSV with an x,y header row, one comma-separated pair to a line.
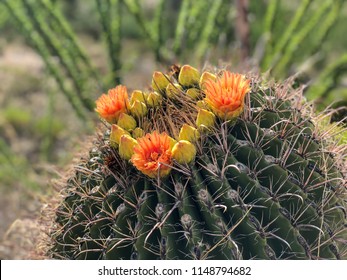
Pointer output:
x,y
225,96
152,154
110,106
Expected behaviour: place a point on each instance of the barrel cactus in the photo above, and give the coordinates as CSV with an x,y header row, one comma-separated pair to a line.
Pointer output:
x,y
212,165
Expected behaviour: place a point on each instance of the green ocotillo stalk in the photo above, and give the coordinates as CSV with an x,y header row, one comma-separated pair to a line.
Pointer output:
x,y
115,22
3,17
61,26
157,29
269,21
328,79
280,44
34,37
110,17
196,21
327,24
152,30
134,8
181,29
208,28
299,36
69,62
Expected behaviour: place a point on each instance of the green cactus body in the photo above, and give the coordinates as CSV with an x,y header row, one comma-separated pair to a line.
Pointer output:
x,y
262,185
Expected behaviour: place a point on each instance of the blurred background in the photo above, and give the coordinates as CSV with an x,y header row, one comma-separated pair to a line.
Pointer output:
x,y
58,56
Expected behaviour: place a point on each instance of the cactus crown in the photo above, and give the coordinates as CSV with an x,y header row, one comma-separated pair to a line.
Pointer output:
x,y
206,166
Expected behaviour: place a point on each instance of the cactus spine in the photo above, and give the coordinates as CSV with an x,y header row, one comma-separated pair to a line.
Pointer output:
x,y
237,170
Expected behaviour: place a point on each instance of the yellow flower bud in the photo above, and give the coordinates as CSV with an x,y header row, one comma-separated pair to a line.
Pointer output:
x,y
126,146
172,142
159,81
127,122
205,118
116,134
138,95
188,76
138,132
189,133
193,93
138,109
173,90
154,99
202,104
183,152
204,77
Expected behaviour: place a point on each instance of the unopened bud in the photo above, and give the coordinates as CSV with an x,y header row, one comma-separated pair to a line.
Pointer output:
x,y
172,142
188,76
202,104
127,122
138,132
138,109
173,90
116,134
189,133
183,152
138,95
154,99
206,76
205,118
193,93
159,81
126,146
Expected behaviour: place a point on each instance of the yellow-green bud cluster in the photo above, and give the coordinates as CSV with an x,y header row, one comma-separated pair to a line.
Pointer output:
x,y
183,84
